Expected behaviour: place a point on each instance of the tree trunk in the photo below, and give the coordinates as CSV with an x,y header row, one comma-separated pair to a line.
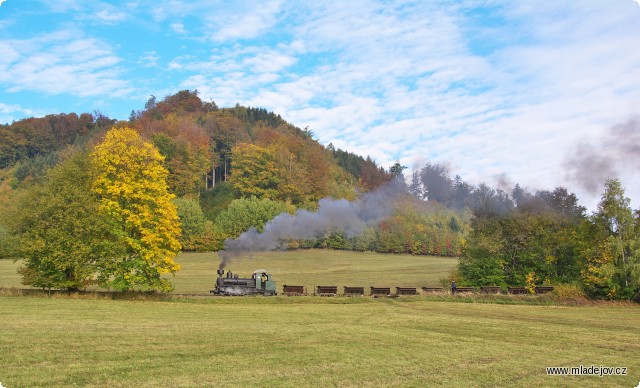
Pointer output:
x,y
213,175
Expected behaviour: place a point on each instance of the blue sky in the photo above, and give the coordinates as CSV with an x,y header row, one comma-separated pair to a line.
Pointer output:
x,y
543,93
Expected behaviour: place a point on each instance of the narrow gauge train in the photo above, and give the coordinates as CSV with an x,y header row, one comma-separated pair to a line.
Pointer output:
x,y
260,283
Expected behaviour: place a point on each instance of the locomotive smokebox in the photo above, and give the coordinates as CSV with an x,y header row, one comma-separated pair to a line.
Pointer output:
x,y
220,273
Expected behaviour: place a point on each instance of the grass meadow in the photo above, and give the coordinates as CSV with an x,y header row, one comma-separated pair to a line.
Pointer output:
x,y
309,341
317,268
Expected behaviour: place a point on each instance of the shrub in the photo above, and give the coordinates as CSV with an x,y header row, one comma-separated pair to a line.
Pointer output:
x,y
569,292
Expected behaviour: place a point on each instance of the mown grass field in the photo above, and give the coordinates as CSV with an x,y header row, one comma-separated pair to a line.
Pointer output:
x,y
309,341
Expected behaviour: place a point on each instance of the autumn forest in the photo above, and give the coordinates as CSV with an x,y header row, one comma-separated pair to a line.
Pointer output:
x,y
87,200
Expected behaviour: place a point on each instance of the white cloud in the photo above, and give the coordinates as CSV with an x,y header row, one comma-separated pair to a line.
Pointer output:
x,y
251,75
174,65
61,62
64,5
178,28
175,9
268,61
8,108
245,22
92,11
11,112
110,16
219,20
149,59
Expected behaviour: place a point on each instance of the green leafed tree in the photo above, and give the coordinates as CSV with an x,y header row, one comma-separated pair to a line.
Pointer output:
x,y
131,183
246,213
365,241
523,247
482,263
613,265
64,240
8,243
198,233
215,201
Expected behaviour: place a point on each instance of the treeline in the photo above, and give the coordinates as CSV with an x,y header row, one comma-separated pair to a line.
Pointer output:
x,y
546,244
415,227
31,145
528,239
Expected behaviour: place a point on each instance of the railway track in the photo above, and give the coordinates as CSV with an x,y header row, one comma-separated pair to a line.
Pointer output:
x,y
287,291
194,295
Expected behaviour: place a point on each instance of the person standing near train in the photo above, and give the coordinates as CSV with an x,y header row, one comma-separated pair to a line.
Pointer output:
x,y
453,286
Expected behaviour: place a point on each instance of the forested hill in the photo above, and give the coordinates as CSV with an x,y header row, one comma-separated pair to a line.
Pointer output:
x,y
229,169
198,139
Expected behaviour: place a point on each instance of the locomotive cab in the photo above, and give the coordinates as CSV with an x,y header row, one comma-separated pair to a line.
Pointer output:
x,y
264,282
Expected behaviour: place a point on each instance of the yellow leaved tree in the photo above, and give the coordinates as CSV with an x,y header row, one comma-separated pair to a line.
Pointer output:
x,y
255,171
131,183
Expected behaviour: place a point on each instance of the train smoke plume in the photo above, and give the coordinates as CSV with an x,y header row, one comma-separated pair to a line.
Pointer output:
x,y
591,164
332,215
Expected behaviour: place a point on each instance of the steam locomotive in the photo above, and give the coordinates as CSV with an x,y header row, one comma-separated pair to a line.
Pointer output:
x,y
260,283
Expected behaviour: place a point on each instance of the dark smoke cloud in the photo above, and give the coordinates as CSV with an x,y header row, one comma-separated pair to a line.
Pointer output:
x,y
504,182
589,168
332,215
591,164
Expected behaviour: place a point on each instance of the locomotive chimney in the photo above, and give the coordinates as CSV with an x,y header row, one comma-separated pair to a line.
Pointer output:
x,y
220,273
